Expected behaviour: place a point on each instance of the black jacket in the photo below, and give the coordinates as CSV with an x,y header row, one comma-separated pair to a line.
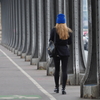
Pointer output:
x,y
61,45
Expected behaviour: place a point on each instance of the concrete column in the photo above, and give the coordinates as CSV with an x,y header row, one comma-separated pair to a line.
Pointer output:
x,y
39,30
76,46
0,36
34,58
16,27
76,62
24,34
42,62
3,42
90,85
19,28
51,16
50,70
28,30
98,68
0,26
8,20
59,6
38,35
13,25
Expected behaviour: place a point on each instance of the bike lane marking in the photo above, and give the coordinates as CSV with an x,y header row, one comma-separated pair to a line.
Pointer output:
x,y
9,97
30,78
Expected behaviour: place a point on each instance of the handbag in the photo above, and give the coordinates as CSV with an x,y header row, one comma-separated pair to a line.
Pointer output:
x,y
51,47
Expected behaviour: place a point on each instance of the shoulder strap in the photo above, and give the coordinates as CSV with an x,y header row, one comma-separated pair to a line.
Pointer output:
x,y
55,36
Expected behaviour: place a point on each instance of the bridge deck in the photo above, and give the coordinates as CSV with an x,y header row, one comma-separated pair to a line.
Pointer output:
x,y
20,80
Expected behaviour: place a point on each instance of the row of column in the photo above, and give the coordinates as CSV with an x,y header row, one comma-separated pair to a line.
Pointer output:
x,y
26,26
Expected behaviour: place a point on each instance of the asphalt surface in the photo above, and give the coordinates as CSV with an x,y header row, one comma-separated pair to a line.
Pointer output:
x,y
21,81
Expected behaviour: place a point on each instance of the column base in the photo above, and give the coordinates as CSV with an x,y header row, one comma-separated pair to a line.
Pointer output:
x,y
28,58
34,61
19,53
71,79
7,47
15,51
81,77
23,55
42,65
91,91
12,49
50,71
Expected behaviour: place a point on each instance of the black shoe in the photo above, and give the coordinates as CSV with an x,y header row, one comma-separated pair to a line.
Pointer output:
x,y
56,90
63,91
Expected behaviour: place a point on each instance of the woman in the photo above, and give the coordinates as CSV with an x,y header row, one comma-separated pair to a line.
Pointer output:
x,y
63,38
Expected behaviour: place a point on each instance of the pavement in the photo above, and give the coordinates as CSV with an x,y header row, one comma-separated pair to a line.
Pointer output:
x,y
20,80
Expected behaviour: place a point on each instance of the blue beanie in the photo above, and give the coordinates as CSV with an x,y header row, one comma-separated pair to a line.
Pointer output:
x,y
61,18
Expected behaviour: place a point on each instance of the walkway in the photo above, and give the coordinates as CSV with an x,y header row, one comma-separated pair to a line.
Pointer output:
x,y
20,80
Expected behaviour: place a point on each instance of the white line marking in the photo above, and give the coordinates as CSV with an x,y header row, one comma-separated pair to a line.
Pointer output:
x,y
19,97
30,78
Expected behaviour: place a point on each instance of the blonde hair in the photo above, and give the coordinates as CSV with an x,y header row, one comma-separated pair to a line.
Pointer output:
x,y
63,31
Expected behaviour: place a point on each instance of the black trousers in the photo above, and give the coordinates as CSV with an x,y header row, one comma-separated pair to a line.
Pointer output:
x,y
64,62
